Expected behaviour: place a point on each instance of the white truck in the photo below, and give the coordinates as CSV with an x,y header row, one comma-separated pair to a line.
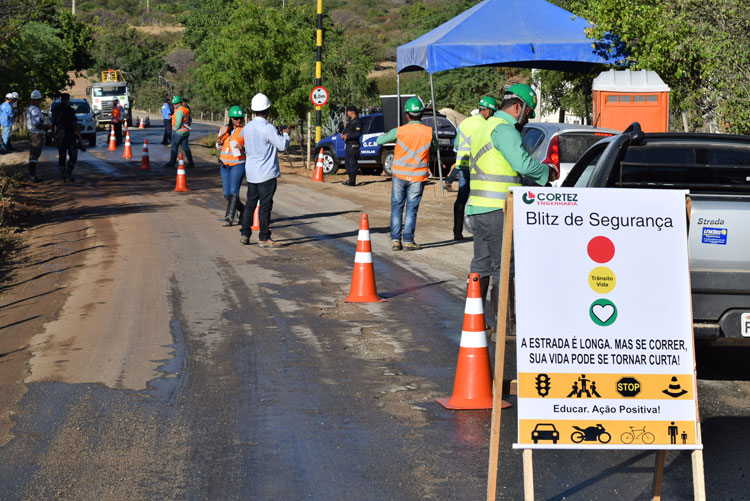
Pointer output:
x,y
102,93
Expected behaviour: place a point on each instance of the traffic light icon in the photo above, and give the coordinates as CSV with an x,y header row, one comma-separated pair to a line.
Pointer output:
x,y
542,385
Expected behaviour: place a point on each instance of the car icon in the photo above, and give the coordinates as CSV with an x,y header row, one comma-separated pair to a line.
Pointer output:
x,y
545,431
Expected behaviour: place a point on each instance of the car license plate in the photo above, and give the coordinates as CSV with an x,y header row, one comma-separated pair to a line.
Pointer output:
x,y
444,142
745,324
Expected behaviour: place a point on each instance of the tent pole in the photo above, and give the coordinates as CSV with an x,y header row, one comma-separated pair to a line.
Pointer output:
x,y
437,138
398,99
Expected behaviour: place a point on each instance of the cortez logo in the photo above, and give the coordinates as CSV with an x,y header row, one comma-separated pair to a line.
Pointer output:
x,y
529,198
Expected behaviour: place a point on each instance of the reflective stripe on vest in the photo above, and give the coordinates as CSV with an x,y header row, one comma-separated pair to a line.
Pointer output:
x,y
465,130
185,115
411,160
226,156
491,174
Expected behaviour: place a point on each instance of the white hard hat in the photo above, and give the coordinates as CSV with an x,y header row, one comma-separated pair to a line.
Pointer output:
x,y
260,102
475,111
9,95
36,95
15,95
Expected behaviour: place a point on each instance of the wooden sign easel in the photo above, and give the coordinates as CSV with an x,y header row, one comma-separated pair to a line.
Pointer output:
x,y
699,487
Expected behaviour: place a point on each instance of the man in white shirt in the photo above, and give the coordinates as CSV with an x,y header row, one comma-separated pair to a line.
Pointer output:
x,y
36,127
262,144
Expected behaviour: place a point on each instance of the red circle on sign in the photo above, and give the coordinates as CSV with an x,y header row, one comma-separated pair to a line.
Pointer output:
x,y
601,249
319,96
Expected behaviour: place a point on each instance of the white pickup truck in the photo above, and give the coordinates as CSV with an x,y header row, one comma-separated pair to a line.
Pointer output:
x,y
716,170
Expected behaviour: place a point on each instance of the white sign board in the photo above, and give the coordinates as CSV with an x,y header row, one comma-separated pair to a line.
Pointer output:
x,y
603,319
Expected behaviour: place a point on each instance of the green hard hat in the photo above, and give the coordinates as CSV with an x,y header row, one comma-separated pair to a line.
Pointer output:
x,y
488,102
526,93
236,112
176,99
413,105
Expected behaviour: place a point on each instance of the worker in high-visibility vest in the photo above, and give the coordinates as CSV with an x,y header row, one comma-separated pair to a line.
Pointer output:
x,y
117,117
231,144
498,160
181,122
462,146
411,169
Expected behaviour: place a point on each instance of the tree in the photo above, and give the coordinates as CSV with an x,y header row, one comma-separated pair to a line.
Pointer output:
x,y
698,48
272,51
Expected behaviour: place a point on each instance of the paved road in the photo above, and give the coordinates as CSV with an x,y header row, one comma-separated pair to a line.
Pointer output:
x,y
184,365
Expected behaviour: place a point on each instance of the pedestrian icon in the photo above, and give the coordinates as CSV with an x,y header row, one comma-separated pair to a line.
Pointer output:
x,y
674,389
672,431
542,385
584,388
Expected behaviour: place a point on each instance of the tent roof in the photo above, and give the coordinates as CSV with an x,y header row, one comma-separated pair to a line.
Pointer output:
x,y
519,33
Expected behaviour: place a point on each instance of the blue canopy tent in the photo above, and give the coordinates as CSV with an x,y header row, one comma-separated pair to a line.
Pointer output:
x,y
519,33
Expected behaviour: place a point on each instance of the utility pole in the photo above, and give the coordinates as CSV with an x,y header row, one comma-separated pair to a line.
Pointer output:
x,y
319,70
73,10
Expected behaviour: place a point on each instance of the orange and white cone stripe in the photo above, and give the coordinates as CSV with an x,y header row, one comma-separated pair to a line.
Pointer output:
x,y
363,288
112,143
472,388
181,184
145,161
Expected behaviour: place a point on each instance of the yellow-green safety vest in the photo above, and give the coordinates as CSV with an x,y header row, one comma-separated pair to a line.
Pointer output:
x,y
491,174
464,132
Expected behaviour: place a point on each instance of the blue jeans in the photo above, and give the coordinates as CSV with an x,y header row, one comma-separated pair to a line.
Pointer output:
x,y
231,178
407,193
6,136
463,195
177,141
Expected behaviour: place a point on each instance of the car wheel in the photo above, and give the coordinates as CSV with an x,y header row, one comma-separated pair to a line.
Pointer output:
x,y
92,140
387,160
330,162
371,171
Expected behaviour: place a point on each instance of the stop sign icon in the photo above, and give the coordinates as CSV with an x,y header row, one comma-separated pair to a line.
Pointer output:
x,y
628,387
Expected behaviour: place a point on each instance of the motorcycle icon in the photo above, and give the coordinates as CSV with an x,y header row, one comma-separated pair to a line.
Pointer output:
x,y
590,434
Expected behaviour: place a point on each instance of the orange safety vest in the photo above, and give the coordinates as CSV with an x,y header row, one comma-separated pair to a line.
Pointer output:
x,y
117,114
411,160
226,156
185,115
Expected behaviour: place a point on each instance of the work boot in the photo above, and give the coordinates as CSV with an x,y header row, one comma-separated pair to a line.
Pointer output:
x,y
396,245
458,223
270,244
411,246
32,172
238,211
229,214
448,186
245,240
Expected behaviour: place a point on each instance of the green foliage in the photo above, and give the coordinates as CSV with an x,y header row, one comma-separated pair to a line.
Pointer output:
x,y
565,91
39,45
267,50
698,48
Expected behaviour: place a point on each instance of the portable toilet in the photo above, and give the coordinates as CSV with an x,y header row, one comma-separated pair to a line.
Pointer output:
x,y
624,97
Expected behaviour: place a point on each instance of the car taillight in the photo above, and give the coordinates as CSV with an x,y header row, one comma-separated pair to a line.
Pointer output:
x,y
553,152
606,134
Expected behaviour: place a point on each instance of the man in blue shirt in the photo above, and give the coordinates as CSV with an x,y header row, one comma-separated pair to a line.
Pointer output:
x,y
7,117
262,144
166,114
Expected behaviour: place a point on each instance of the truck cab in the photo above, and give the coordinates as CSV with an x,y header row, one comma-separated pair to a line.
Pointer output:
x,y
103,93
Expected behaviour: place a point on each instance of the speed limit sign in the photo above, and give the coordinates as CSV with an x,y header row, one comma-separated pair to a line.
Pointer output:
x,y
319,96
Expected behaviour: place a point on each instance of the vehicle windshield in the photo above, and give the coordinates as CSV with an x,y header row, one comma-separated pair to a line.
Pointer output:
x,y
109,91
443,123
80,106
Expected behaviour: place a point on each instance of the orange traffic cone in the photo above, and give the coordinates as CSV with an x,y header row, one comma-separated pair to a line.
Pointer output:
x,y
472,388
318,175
181,179
140,124
145,161
126,153
363,278
112,144
256,218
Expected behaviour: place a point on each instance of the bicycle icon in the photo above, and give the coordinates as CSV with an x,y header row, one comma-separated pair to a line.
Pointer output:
x,y
640,434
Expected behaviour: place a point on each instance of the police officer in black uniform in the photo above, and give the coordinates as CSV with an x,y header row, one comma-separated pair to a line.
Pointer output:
x,y
351,134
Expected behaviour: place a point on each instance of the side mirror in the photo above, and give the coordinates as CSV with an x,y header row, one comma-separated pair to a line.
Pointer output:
x,y
88,91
